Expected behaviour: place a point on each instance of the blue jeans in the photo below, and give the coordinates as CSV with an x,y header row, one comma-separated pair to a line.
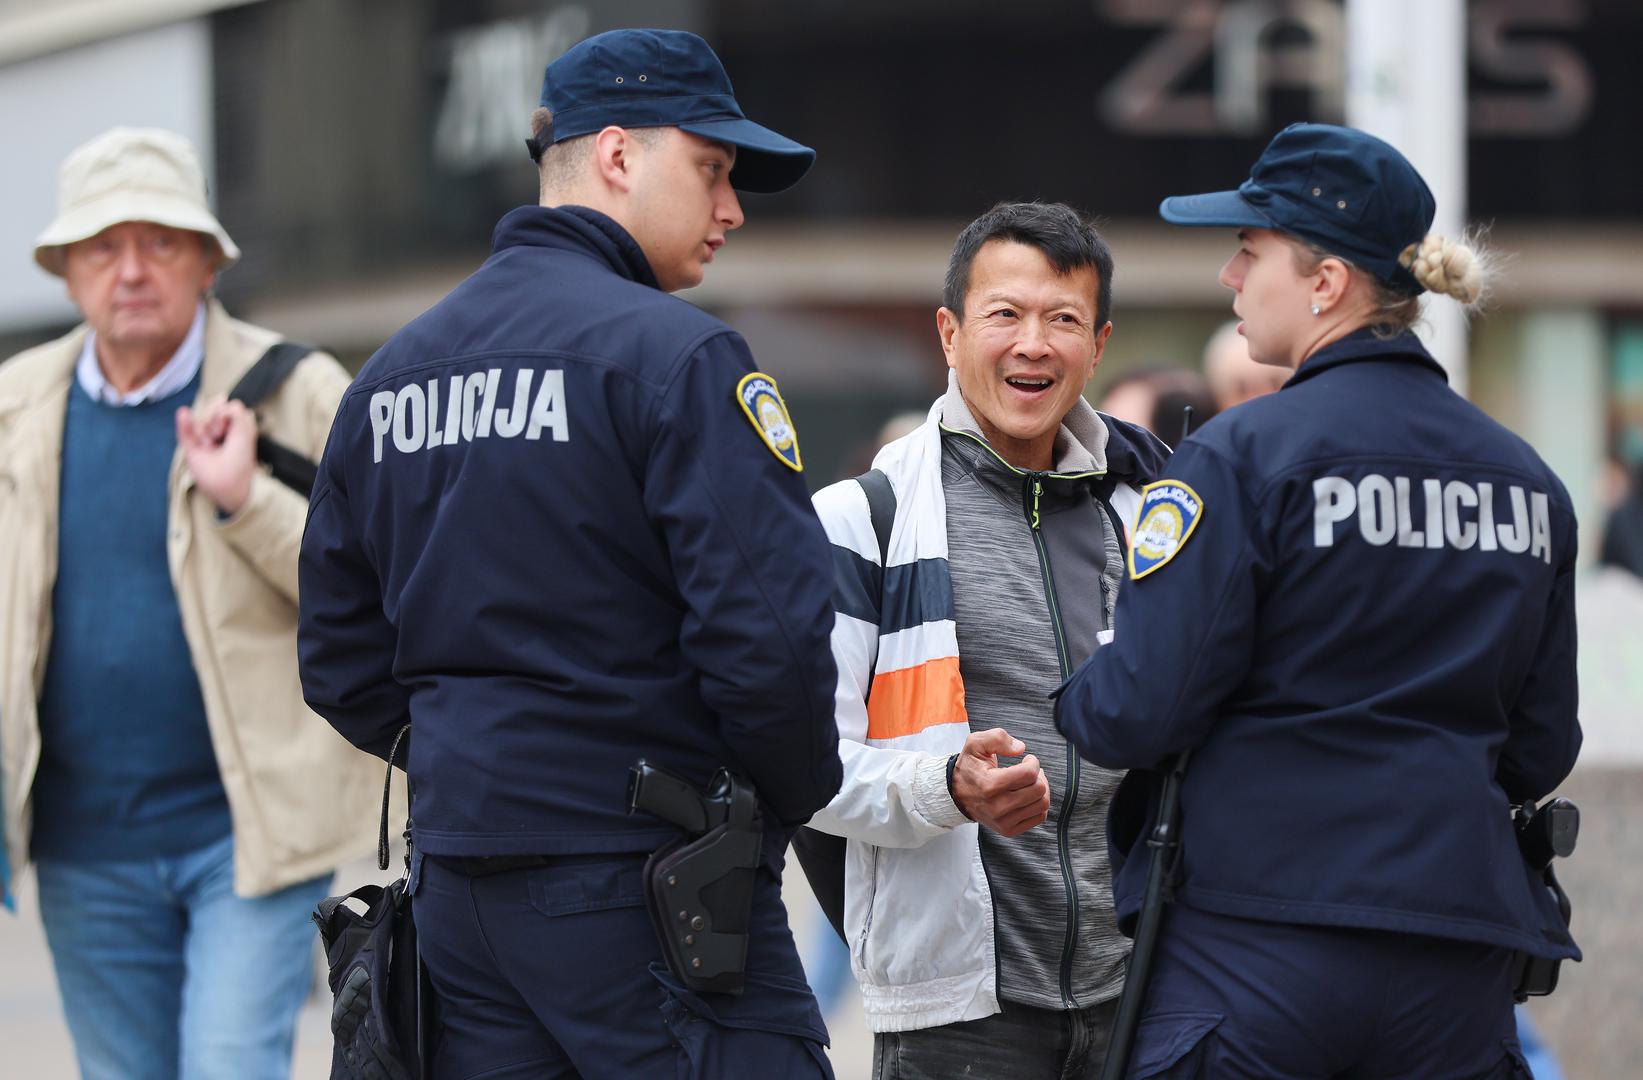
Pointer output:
x,y
165,973
1020,1041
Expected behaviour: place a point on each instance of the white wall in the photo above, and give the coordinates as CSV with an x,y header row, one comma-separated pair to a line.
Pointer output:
x,y
51,104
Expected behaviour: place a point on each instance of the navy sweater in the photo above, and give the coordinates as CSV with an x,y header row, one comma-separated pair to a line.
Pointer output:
x,y
126,766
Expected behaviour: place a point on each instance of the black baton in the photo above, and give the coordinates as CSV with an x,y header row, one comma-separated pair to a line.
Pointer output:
x,y
1165,842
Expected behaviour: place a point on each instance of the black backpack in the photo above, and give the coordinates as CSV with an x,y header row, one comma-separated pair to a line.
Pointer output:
x,y
820,855
271,369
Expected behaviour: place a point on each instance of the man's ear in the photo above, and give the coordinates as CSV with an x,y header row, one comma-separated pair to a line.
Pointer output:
x,y
946,328
613,154
1099,350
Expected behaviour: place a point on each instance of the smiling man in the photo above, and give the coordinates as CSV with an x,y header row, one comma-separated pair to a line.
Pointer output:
x,y
1003,564
531,539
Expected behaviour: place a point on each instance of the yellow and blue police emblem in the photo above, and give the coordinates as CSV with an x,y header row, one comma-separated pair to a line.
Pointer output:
x,y
1169,512
765,409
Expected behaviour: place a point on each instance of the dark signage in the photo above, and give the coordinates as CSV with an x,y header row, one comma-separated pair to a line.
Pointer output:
x,y
933,109
369,134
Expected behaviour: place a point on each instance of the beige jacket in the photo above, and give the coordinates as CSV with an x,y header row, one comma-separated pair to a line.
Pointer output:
x,y
302,800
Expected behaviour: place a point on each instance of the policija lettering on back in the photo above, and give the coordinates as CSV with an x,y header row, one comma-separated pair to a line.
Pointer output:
x,y
1457,514
411,416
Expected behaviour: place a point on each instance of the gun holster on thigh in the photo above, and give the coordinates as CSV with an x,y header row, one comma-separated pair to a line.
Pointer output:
x,y
1544,834
699,890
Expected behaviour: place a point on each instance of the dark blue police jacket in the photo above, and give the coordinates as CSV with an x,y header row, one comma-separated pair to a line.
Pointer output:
x,y
549,533
1355,599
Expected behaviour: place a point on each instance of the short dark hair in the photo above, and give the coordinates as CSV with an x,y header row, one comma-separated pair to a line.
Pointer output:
x,y
559,163
1068,239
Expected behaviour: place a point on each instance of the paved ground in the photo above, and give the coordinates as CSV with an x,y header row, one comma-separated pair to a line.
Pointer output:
x,y
1591,1023
34,1041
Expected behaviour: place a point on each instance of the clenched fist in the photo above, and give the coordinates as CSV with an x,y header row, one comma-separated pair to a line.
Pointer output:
x,y
1008,800
220,446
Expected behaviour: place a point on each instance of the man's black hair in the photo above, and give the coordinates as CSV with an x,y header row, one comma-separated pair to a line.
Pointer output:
x,y
1068,239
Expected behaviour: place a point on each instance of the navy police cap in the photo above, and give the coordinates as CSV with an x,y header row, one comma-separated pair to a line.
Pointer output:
x,y
666,78
1339,188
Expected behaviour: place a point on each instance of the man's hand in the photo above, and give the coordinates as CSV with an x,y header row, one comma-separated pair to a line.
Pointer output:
x,y
220,446
1008,800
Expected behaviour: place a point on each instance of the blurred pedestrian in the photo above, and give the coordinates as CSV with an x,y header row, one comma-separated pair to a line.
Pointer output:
x,y
1234,377
1623,533
184,810
1156,397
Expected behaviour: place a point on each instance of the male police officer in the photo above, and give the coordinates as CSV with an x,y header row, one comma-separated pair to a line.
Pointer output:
x,y
559,526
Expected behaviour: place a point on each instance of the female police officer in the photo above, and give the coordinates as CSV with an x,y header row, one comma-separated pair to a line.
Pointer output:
x,y
1353,600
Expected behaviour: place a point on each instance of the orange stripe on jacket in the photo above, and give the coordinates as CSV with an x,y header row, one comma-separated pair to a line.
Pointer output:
x,y
907,701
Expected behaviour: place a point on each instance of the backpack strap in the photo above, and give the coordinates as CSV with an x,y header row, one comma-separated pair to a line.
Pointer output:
x,y
821,855
294,470
881,509
268,373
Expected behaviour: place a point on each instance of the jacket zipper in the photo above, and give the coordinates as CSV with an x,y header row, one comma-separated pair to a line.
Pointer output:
x,y
1032,490
1116,524
872,895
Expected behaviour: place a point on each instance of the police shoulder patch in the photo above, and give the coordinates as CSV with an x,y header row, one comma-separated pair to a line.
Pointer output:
x,y
767,412
1169,512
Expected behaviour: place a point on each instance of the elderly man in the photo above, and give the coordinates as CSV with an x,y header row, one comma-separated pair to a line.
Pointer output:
x,y
977,902
182,807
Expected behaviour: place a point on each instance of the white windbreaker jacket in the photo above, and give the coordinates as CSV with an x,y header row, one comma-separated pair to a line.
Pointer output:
x,y
918,910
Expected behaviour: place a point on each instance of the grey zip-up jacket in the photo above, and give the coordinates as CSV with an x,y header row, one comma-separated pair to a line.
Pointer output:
x,y
1036,563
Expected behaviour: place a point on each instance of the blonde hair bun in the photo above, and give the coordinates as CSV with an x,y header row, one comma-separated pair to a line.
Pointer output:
x,y
1445,266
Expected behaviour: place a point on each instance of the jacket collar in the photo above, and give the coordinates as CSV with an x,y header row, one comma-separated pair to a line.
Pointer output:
x,y
177,372
55,365
1364,345
1089,442
577,229
1080,442
225,359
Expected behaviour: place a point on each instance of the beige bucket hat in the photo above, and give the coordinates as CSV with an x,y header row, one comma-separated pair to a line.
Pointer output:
x,y
130,174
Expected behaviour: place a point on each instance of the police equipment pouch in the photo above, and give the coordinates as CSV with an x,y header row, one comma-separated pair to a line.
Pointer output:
x,y
375,973
290,468
1542,835
699,889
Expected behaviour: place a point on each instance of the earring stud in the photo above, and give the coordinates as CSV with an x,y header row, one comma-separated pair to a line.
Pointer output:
x,y
1316,310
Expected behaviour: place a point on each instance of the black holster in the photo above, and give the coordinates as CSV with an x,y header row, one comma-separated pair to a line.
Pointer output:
x,y
699,890
1544,834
